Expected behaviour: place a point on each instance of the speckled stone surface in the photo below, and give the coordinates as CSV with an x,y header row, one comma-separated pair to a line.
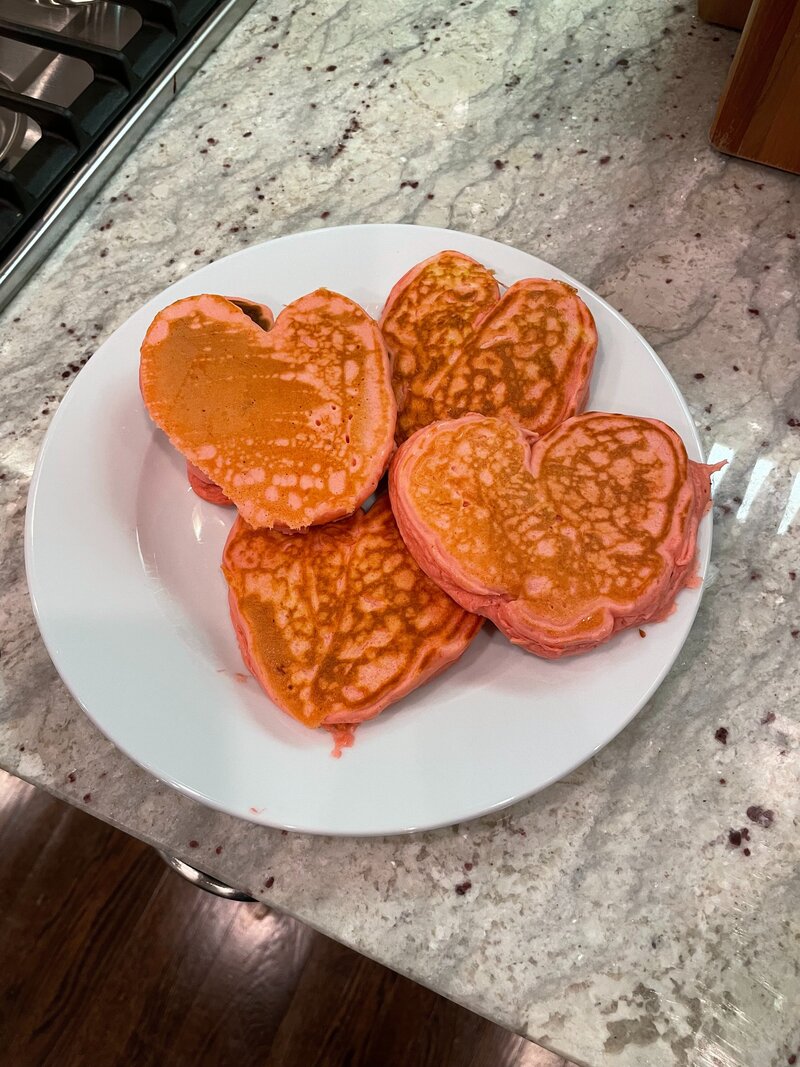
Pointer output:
x,y
614,918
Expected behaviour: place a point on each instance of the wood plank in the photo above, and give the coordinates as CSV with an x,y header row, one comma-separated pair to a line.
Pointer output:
x,y
106,956
358,1014
758,117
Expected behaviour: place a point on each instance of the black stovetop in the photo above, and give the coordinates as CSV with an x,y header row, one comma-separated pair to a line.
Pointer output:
x,y
68,70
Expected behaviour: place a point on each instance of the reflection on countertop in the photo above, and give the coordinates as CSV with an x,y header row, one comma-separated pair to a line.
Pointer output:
x,y
644,910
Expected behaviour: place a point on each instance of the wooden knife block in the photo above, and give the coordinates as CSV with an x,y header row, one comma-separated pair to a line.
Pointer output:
x,y
758,116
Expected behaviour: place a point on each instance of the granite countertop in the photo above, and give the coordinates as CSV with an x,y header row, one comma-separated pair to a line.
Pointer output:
x,y
623,916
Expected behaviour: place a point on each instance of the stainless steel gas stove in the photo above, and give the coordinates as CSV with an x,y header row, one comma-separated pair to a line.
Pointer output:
x,y
80,81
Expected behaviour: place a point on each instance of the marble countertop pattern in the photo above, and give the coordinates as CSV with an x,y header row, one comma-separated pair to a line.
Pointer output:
x,y
614,918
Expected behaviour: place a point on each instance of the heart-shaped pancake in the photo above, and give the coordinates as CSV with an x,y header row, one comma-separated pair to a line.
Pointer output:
x,y
560,540
339,622
457,346
295,425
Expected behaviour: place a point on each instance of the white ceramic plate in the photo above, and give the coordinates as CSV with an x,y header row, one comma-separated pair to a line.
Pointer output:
x,y
123,568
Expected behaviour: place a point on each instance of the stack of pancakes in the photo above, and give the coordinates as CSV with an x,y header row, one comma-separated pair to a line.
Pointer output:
x,y
504,502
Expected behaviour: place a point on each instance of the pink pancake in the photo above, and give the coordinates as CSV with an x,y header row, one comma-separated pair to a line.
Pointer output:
x,y
294,426
561,540
339,622
458,346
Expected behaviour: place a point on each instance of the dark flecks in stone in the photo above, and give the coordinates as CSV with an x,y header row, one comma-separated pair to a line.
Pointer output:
x,y
463,887
259,59
699,376
623,62
331,68
794,423
87,798
642,633
468,866
325,214
792,575
429,196
581,151
603,160
764,817
755,576
193,844
723,781
668,281
513,11
71,777
537,155
708,408
735,838
409,185
768,718
499,164
386,61
721,735
753,311
535,115
270,882
746,852
791,236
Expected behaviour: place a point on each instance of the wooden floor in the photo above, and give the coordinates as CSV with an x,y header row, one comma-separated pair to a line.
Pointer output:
x,y
108,957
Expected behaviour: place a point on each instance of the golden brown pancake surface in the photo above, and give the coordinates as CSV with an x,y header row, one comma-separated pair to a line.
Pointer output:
x,y
339,622
559,540
457,346
295,425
